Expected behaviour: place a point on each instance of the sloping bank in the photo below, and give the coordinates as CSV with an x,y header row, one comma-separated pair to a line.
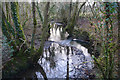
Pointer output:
x,y
86,40
20,64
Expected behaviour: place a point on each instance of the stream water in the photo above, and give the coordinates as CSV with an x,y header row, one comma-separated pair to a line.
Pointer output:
x,y
63,57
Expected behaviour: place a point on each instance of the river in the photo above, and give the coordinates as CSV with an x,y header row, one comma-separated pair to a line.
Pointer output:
x,y
63,57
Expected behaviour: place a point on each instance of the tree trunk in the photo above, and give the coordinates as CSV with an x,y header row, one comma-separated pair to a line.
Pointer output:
x,y
7,10
15,15
10,28
118,39
109,37
20,37
106,43
69,17
70,26
35,23
41,17
44,33
80,9
7,35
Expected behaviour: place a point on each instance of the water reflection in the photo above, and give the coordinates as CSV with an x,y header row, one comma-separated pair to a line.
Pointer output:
x,y
67,63
64,58
57,33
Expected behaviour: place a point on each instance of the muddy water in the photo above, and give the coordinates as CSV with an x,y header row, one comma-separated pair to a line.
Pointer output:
x,y
64,58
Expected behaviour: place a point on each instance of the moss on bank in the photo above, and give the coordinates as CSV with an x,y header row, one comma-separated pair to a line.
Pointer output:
x,y
14,66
